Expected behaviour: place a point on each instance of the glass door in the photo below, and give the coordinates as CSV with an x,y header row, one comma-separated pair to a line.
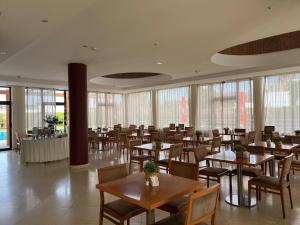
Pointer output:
x,y
5,118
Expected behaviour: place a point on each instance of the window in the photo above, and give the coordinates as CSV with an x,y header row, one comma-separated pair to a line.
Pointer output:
x,y
105,109
60,109
282,102
139,108
5,118
173,106
225,105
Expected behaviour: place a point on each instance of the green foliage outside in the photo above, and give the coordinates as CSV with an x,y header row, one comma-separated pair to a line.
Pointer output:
x,y
60,116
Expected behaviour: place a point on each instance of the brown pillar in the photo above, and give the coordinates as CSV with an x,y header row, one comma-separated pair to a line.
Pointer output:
x,y
78,114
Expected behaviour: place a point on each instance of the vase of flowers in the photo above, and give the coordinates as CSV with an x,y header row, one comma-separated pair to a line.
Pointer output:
x,y
198,134
241,151
277,142
52,122
151,170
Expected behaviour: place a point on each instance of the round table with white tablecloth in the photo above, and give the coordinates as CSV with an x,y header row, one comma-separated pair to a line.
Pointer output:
x,y
44,150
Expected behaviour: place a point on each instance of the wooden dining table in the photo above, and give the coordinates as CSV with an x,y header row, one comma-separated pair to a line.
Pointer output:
x,y
134,190
154,148
254,160
285,148
195,142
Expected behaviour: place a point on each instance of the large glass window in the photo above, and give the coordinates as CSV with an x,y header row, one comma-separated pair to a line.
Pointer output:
x,y
225,105
105,109
139,108
282,102
173,106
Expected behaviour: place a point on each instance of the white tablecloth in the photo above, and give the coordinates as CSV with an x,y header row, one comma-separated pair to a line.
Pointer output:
x,y
44,150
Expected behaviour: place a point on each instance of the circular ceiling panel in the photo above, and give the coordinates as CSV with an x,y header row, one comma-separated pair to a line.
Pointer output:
x,y
277,43
131,75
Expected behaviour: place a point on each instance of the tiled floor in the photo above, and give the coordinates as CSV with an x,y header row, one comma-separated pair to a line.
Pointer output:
x,y
51,194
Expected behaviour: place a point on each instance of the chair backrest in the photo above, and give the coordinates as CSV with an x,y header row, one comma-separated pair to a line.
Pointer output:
x,y
166,129
285,165
296,139
269,129
239,130
189,128
183,169
111,173
178,138
151,127
172,126
275,134
134,142
154,136
288,139
200,152
181,126
216,142
202,206
251,136
216,132
258,150
123,138
175,151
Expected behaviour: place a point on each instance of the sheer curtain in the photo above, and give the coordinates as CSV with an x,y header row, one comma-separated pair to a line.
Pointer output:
x,y
139,108
282,102
105,109
173,106
227,104
39,103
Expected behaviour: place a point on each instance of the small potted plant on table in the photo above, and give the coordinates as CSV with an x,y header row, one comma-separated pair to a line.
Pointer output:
x,y
241,151
277,142
151,170
198,134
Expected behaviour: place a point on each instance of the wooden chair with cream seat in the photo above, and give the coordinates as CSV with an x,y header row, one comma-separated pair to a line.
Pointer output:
x,y
248,138
18,142
137,156
117,211
181,126
175,153
210,173
274,185
215,146
215,132
181,169
201,207
267,133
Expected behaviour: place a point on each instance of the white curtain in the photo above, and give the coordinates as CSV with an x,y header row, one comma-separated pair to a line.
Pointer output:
x,y
282,102
139,108
39,104
227,104
105,109
172,106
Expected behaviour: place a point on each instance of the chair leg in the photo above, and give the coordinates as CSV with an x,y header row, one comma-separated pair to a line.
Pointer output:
x,y
282,203
141,166
230,186
290,194
130,167
249,195
121,222
101,217
207,181
128,222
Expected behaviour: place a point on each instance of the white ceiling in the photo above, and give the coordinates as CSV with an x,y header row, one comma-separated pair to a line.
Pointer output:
x,y
187,35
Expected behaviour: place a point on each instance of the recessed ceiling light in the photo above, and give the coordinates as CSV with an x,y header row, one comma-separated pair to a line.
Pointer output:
x,y
84,46
159,63
268,7
44,21
93,48
3,53
196,71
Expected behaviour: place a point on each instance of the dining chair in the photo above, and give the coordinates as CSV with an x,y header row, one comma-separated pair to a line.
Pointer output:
x,y
18,144
117,211
181,169
137,156
215,146
181,126
201,207
210,173
123,144
151,128
175,153
172,126
267,132
188,128
276,184
113,138
178,138
215,132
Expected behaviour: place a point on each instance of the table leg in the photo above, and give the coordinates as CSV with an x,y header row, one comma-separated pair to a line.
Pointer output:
x,y
240,200
150,217
272,167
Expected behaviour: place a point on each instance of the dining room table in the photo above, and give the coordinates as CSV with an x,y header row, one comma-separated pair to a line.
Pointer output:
x,y
153,147
135,135
194,141
254,160
133,189
272,148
